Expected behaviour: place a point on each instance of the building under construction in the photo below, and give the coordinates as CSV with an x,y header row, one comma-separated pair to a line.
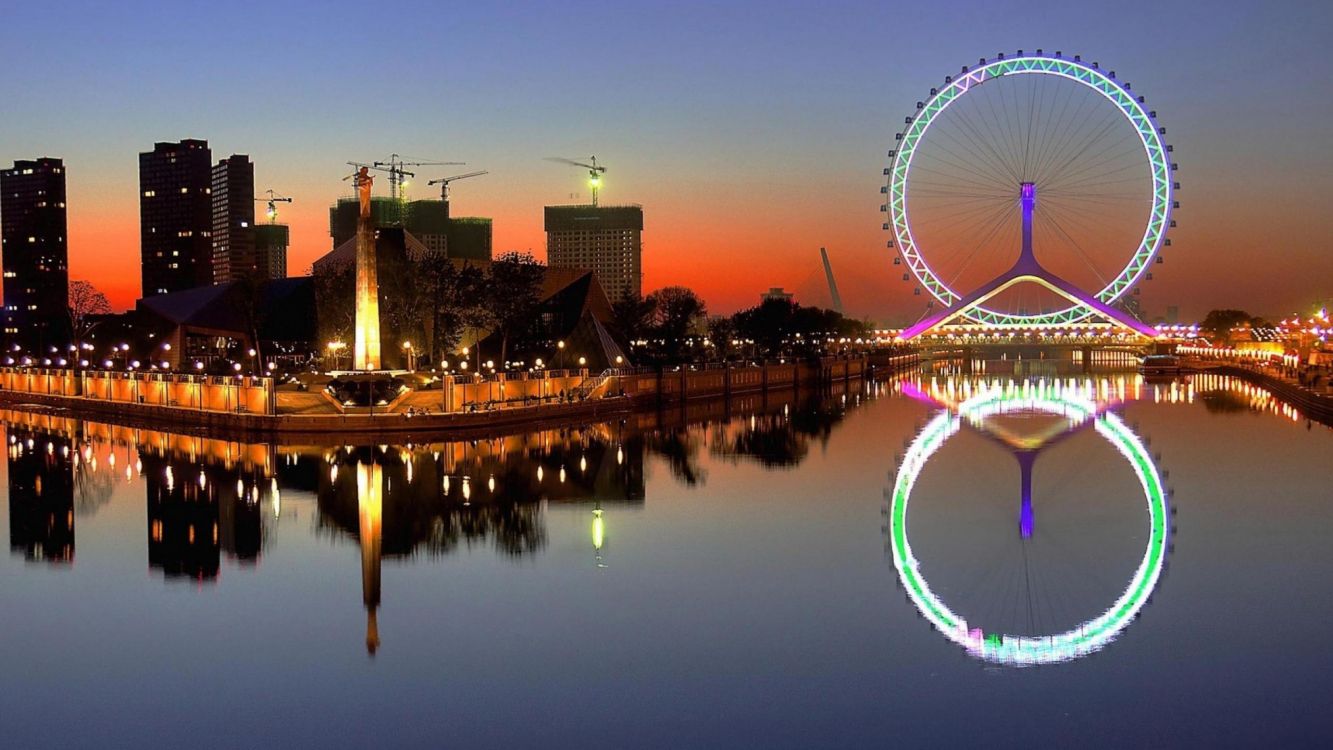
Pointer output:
x,y
429,221
606,240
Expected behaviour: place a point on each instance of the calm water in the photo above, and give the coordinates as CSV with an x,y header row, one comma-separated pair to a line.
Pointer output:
x,y
1038,561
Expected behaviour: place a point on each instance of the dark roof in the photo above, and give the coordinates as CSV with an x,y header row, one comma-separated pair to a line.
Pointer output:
x,y
287,308
201,307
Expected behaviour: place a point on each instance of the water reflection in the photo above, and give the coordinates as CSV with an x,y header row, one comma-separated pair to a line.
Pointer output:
x,y
983,407
781,439
210,504
398,501
41,497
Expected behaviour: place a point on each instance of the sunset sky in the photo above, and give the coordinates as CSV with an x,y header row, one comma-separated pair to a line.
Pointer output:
x,y
752,133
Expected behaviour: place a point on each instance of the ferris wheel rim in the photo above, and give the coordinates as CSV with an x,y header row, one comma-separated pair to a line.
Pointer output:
x,y
1082,639
1145,125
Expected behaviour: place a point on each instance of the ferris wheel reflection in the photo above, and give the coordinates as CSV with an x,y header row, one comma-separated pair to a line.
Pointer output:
x,y
1079,407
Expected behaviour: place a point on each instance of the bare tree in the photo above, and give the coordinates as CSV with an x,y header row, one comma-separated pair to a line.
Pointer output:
x,y
85,302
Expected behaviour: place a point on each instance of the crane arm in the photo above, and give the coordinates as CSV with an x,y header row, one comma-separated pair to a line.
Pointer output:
x,y
447,180
571,162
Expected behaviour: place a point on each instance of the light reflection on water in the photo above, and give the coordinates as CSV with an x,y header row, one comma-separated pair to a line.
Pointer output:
x,y
754,545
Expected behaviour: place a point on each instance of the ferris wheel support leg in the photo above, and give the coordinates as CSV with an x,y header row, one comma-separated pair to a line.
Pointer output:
x,y
1028,269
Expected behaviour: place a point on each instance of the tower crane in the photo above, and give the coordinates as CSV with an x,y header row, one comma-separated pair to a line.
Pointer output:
x,y
595,172
273,200
398,174
443,182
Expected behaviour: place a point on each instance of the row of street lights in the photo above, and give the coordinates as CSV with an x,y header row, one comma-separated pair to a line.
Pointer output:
x,y
336,348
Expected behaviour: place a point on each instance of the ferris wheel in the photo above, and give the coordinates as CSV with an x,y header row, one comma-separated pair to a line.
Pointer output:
x,y
1042,156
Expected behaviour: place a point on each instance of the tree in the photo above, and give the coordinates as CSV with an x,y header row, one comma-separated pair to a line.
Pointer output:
x,y
335,306
721,332
767,325
85,302
676,312
1221,322
250,302
513,294
632,316
440,297
783,327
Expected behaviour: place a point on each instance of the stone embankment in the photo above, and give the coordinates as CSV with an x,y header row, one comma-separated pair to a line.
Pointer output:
x,y
156,402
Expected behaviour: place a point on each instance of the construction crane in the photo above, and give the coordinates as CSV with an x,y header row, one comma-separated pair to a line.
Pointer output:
x,y
595,172
832,285
443,182
398,174
273,200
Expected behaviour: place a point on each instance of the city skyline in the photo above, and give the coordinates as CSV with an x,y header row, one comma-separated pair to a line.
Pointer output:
x,y
748,138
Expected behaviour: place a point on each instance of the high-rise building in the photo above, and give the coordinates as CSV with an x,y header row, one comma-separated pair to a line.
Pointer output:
x,y
176,216
233,187
35,252
603,239
427,220
271,251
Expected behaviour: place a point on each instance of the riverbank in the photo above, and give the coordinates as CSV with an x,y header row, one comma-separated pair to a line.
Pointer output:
x,y
612,397
1316,406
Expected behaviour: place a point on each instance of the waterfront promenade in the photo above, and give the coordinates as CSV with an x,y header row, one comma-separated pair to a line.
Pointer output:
x,y
255,408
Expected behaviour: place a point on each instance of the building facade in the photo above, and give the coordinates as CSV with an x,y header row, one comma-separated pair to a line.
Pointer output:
x,y
271,251
176,216
34,250
606,240
467,238
233,225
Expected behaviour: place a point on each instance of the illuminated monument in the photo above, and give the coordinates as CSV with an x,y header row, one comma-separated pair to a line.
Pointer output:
x,y
366,350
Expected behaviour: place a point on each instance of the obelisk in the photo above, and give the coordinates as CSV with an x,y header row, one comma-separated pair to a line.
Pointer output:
x,y
366,350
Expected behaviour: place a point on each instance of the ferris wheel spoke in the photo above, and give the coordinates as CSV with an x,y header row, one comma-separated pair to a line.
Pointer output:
x,y
954,178
1058,170
997,221
976,134
1002,127
1063,135
985,152
1050,221
969,163
1086,124
1108,177
1103,158
971,224
1032,125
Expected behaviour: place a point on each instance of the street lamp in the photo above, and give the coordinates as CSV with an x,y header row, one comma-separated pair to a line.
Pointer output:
x,y
334,347
411,360
561,346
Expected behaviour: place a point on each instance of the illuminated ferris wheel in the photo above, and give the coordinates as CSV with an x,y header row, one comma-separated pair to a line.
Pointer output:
x,y
1044,156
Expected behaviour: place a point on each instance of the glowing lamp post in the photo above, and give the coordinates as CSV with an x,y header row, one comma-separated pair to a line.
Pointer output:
x,y
334,348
